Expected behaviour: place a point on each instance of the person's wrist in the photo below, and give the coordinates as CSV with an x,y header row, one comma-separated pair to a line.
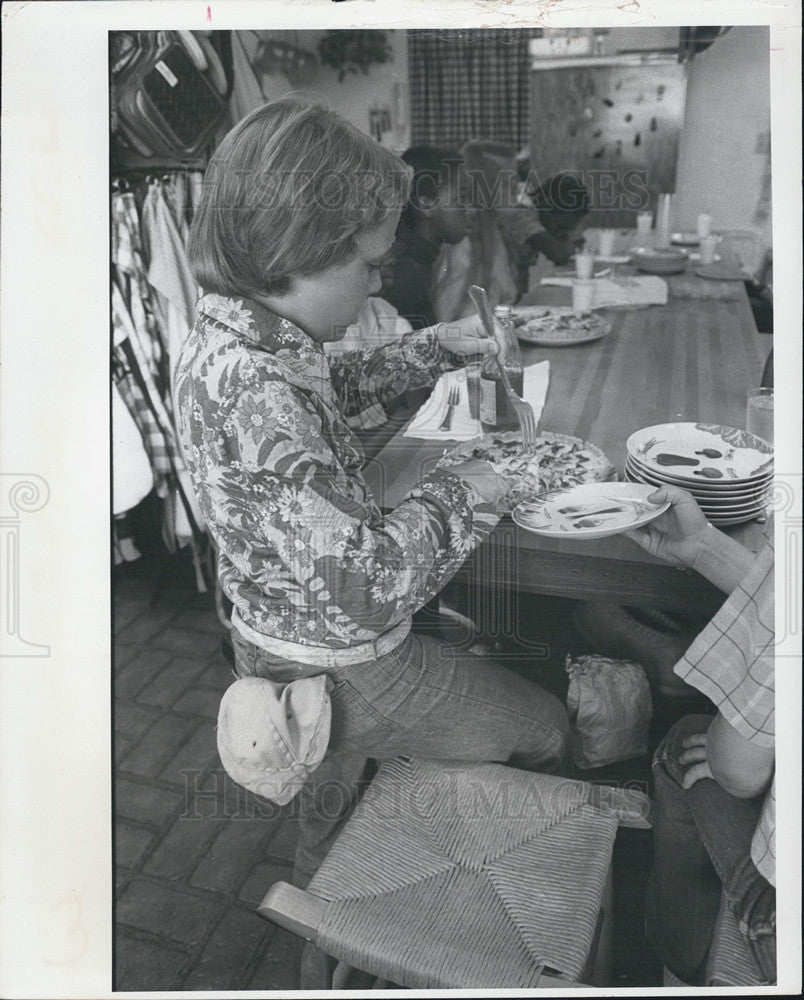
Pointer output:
x,y
703,549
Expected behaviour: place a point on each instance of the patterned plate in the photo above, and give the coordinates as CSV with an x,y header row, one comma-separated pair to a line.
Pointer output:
x,y
707,489
593,510
735,454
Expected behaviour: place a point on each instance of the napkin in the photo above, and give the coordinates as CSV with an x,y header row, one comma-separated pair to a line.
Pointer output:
x,y
646,290
425,424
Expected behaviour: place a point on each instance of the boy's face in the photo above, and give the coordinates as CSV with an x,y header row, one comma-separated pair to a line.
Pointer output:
x,y
325,304
563,226
448,214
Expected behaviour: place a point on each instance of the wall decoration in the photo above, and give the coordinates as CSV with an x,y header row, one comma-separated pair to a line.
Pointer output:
x,y
354,51
617,123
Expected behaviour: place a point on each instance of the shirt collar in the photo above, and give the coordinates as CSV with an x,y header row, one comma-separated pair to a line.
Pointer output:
x,y
250,320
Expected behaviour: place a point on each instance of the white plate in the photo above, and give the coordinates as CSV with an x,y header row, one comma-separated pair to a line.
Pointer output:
x,y
570,513
716,273
743,456
618,258
707,489
740,506
728,521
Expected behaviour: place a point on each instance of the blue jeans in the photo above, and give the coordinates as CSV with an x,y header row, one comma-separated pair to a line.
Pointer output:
x,y
426,699
702,847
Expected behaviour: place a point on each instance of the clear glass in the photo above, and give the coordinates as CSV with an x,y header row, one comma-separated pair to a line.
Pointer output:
x,y
583,296
759,414
584,265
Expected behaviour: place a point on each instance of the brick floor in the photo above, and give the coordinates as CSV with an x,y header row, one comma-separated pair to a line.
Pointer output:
x,y
194,855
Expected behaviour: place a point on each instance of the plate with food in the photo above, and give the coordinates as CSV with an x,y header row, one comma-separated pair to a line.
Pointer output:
x,y
560,327
558,461
592,510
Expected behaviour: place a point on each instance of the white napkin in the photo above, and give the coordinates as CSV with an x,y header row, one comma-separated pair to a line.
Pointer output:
x,y
425,424
645,290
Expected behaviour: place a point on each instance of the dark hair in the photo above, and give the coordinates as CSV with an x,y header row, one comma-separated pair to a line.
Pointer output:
x,y
286,194
563,195
433,169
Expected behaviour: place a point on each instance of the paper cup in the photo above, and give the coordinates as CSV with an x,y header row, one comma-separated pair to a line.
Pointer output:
x,y
583,296
704,225
708,244
606,242
584,265
644,222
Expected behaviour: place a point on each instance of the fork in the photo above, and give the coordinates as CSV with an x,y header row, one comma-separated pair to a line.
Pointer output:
x,y
452,401
523,410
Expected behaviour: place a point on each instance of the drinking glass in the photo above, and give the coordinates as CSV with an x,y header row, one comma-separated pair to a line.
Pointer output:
x,y
708,244
759,414
584,265
607,237
583,296
704,225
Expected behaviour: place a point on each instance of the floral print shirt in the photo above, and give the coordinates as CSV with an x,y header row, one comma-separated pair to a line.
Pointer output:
x,y
305,554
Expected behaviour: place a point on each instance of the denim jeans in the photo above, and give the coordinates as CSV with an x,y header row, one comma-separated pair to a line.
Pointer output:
x,y
702,847
426,699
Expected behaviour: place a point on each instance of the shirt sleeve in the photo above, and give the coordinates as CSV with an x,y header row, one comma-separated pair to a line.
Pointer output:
x,y
732,660
362,571
365,378
409,292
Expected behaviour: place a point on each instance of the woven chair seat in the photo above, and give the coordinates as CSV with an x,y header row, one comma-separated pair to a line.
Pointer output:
x,y
730,962
452,875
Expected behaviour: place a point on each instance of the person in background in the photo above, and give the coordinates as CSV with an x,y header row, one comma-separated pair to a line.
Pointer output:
x,y
563,205
714,799
434,216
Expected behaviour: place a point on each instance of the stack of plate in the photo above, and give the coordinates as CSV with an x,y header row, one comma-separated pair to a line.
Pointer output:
x,y
728,471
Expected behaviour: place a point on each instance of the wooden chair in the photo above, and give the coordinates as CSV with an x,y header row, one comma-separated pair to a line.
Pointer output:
x,y
454,875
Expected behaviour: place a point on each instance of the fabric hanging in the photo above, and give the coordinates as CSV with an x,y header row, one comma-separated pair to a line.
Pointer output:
x,y
469,84
246,93
153,305
169,275
132,476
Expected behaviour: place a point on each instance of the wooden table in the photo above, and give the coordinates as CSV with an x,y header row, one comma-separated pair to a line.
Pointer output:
x,y
691,360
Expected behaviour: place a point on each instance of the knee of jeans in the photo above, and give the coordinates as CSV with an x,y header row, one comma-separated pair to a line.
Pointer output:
x,y
672,746
558,742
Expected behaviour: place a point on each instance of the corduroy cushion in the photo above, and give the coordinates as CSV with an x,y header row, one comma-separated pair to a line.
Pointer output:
x,y
453,875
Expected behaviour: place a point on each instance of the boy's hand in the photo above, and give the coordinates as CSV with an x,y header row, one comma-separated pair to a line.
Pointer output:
x,y
676,536
466,336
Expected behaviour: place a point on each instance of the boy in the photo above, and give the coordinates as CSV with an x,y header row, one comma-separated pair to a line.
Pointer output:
x,y
434,216
563,204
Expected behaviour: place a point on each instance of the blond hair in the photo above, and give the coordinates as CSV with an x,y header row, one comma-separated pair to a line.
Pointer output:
x,y
286,193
